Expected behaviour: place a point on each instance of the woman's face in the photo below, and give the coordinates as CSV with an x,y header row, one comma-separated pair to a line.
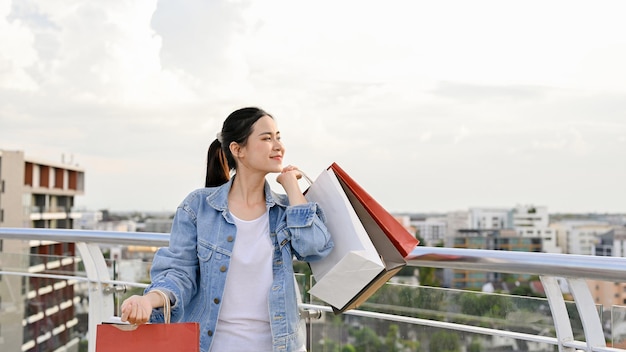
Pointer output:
x,y
263,150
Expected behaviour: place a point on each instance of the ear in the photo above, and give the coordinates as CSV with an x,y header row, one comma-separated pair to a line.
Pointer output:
x,y
235,149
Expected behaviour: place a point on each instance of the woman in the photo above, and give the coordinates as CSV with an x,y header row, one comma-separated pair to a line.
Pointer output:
x,y
229,262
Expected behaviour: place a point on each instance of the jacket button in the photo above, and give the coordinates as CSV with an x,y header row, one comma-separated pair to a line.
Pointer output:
x,y
210,333
216,300
229,239
223,268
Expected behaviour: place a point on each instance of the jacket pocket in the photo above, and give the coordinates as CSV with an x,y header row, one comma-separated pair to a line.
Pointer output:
x,y
204,252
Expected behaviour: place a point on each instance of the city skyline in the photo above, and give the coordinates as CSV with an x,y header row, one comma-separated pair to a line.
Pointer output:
x,y
431,107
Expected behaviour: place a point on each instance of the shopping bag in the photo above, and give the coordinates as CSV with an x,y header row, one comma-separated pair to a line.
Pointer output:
x,y
354,261
404,241
363,258
183,337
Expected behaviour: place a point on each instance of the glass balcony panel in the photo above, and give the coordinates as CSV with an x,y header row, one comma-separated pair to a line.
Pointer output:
x,y
51,314
519,314
618,326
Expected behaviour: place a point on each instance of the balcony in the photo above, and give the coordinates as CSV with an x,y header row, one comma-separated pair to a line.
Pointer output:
x,y
54,302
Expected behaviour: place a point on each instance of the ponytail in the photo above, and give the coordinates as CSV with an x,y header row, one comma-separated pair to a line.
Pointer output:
x,y
217,170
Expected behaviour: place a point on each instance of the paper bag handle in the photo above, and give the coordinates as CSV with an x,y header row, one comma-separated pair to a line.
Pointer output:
x,y
167,309
307,178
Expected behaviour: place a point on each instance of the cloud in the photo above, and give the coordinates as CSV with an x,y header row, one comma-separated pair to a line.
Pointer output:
x,y
479,93
401,94
461,134
425,136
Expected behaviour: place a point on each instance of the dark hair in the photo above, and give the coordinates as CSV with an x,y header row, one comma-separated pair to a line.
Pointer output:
x,y
236,128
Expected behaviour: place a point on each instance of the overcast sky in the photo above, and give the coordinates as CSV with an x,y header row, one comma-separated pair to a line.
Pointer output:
x,y
432,106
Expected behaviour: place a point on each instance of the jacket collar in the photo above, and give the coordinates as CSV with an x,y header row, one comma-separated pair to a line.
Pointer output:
x,y
218,199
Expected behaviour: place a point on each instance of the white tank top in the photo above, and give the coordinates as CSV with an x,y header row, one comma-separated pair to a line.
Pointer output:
x,y
243,322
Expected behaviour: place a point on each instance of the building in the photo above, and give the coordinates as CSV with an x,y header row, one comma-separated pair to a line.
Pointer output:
x,y
523,228
532,221
158,225
491,239
491,218
38,194
432,230
579,236
610,244
455,221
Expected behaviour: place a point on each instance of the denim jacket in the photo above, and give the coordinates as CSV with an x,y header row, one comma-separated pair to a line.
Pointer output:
x,y
193,269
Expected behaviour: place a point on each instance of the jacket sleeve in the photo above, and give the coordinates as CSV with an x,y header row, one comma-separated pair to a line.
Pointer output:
x,y
175,268
310,238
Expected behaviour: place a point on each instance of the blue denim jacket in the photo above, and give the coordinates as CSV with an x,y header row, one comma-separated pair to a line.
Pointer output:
x,y
193,269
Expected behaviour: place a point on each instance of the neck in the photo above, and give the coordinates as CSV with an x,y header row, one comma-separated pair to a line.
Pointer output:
x,y
246,199
247,189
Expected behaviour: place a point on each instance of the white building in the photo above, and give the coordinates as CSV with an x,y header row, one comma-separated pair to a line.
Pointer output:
x,y
532,221
579,236
490,218
431,230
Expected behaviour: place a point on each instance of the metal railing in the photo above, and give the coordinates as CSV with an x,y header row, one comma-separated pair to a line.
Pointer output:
x,y
575,269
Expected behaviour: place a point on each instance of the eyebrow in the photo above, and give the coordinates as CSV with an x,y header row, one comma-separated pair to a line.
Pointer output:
x,y
270,133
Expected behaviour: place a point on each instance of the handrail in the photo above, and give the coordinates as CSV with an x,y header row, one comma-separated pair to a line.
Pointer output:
x,y
568,265
90,236
565,265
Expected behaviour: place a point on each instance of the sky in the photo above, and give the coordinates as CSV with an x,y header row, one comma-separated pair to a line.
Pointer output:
x,y
431,106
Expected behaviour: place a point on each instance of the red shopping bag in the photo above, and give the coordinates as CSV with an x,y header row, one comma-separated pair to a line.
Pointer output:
x,y
183,337
180,337
401,238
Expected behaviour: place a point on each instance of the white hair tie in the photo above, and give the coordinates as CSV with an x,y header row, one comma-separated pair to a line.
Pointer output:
x,y
219,137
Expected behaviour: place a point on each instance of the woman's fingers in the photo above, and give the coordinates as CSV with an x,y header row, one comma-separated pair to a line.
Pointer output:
x,y
292,169
134,312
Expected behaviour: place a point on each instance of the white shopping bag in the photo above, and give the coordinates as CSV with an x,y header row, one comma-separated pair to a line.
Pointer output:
x,y
354,261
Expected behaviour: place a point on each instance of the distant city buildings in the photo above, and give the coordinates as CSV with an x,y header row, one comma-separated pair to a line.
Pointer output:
x,y
523,228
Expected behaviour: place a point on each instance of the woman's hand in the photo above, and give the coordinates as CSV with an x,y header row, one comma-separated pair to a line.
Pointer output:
x,y
288,178
289,173
137,309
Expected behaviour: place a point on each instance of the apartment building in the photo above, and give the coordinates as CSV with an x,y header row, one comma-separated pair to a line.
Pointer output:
x,y
492,239
432,230
37,194
579,236
490,218
533,221
610,244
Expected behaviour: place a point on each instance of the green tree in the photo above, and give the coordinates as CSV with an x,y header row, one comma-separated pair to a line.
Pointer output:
x,y
485,305
522,290
391,340
366,340
348,348
443,341
475,346
328,345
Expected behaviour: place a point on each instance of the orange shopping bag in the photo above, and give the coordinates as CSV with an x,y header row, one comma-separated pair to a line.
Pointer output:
x,y
401,238
168,337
